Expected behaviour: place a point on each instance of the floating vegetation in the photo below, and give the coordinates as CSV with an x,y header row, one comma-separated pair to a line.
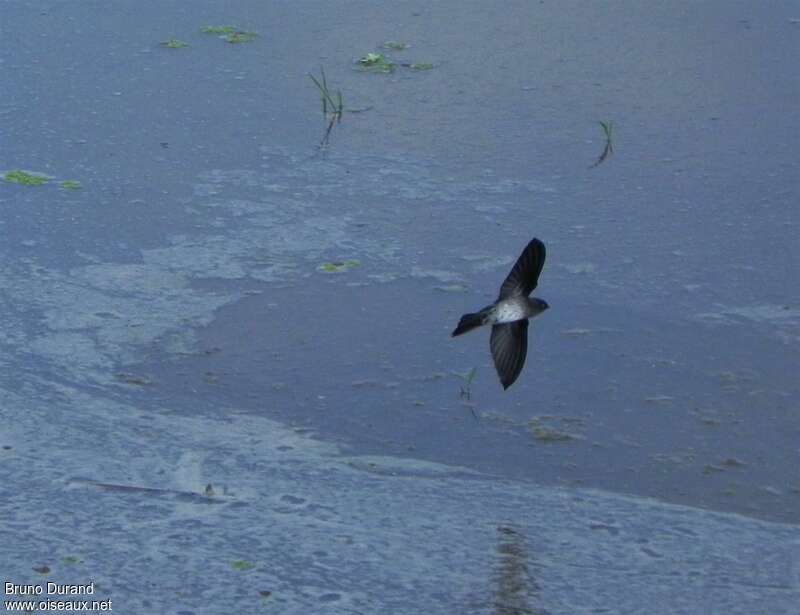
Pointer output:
x,y
379,63
330,104
71,560
395,46
375,62
231,34
25,178
466,388
608,128
240,37
218,29
240,564
37,179
339,266
545,433
173,43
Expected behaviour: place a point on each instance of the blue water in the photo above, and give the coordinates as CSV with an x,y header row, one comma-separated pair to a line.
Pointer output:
x,y
199,418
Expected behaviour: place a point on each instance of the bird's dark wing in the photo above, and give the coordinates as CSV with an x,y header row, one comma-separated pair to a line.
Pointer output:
x,y
525,274
509,344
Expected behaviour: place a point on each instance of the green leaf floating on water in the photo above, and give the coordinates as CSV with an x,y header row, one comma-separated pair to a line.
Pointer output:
x,y
394,45
218,29
376,62
339,266
71,184
379,63
24,178
173,43
230,34
240,37
240,564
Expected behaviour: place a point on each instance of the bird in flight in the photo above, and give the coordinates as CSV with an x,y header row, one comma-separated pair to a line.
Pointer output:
x,y
510,313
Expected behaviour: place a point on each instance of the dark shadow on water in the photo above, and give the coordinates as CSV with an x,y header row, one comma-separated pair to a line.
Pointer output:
x,y
516,591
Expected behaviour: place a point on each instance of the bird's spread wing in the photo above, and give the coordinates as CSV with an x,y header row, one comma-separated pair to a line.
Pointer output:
x,y
509,344
525,274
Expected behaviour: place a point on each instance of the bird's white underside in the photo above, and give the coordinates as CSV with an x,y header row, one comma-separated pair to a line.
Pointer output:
x,y
510,311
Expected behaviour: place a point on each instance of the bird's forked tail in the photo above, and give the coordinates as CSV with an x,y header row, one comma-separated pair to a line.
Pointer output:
x,y
469,322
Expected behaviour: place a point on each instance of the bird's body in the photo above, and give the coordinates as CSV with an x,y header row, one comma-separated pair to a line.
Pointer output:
x,y
510,313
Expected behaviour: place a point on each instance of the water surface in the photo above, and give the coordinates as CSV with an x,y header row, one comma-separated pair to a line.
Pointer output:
x,y
184,386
